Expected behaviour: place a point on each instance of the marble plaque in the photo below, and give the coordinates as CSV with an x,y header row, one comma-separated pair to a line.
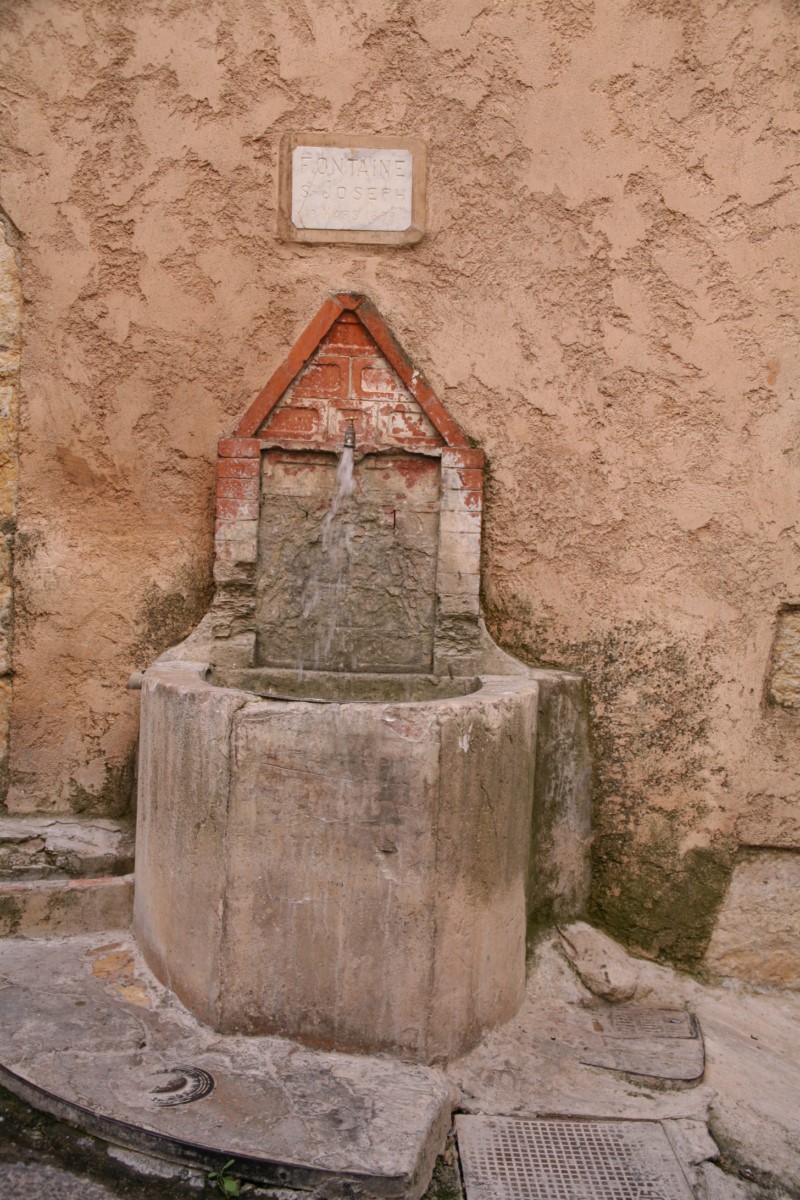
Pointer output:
x,y
355,189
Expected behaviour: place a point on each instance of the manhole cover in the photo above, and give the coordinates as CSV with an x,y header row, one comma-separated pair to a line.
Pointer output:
x,y
630,1021
505,1158
184,1086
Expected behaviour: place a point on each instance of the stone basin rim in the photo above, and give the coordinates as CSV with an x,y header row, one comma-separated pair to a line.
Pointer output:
x,y
345,687
467,689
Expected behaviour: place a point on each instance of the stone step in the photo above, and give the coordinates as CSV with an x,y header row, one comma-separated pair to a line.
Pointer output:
x,y
53,847
58,907
89,1036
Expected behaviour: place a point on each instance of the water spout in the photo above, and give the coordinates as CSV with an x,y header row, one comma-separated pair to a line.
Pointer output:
x,y
325,588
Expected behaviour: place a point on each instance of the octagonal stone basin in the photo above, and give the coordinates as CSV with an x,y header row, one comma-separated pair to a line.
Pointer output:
x,y
342,687
351,872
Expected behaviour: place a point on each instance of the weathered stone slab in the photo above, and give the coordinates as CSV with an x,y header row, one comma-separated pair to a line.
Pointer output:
x,y
338,187
180,867
43,847
53,907
757,935
784,677
600,963
99,1043
679,1059
561,830
357,593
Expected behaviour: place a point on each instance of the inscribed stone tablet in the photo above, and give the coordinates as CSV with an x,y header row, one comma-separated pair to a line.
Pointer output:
x,y
334,187
352,189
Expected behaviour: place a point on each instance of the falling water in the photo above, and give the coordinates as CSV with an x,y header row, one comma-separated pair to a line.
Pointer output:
x,y
344,488
326,585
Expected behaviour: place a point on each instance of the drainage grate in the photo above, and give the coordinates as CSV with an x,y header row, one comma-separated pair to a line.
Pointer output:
x,y
506,1158
633,1021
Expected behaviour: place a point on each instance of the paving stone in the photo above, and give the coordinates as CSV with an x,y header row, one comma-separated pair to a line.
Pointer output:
x,y
24,1181
84,1025
603,966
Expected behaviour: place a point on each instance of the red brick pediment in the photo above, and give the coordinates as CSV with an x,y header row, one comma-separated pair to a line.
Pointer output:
x,y
347,366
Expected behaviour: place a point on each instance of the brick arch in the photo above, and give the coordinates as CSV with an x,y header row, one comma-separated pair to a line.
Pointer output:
x,y
348,361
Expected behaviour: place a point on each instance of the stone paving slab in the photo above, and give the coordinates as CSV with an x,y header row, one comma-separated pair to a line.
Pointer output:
x,y
88,1034
23,1181
746,1099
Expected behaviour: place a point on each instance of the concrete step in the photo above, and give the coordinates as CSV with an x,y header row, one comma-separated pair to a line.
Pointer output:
x,y
56,907
53,847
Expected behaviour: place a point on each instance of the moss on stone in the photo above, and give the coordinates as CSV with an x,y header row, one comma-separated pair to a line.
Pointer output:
x,y
168,615
656,901
651,762
115,798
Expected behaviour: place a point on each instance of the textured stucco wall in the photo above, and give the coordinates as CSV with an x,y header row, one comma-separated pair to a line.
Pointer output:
x,y
605,301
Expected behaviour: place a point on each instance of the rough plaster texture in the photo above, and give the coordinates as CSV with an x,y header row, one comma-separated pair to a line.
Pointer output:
x,y
352,875
605,299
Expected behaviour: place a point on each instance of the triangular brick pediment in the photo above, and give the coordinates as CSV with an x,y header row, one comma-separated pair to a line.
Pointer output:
x,y
347,366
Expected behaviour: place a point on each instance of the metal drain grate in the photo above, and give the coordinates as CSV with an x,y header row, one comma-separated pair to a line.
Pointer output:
x,y
632,1021
505,1158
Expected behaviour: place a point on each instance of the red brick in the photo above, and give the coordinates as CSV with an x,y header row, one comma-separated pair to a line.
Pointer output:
x,y
453,457
229,529
428,401
412,429
237,447
471,478
349,337
237,510
374,377
298,356
238,489
323,377
237,468
349,300
294,422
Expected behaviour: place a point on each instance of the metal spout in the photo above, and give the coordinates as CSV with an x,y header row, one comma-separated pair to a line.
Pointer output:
x,y
350,435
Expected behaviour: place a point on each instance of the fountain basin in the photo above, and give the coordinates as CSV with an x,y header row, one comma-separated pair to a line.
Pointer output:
x,y
348,873
332,687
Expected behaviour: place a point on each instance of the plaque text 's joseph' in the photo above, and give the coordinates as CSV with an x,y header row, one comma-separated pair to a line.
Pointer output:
x,y
336,187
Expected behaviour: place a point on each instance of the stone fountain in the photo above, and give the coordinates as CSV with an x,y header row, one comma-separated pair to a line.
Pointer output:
x,y
351,804
338,768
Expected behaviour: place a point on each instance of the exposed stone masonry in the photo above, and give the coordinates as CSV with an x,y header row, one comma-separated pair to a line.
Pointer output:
x,y
10,348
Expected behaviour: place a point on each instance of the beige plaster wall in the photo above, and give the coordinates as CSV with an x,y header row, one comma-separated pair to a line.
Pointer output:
x,y
605,300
